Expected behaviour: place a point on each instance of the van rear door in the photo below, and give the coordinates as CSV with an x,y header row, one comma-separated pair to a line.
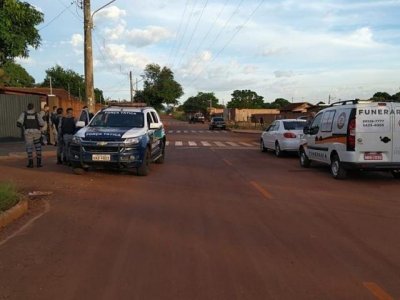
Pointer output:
x,y
396,132
374,132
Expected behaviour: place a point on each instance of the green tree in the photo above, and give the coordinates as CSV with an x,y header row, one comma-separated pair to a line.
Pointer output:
x,y
17,29
200,103
160,87
381,96
16,75
246,99
396,97
278,103
69,80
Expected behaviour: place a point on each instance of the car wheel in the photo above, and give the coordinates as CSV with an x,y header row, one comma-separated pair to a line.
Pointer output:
x,y
305,162
144,169
396,174
211,128
262,147
337,170
278,151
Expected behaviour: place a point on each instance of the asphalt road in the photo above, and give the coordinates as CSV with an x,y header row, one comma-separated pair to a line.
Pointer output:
x,y
218,220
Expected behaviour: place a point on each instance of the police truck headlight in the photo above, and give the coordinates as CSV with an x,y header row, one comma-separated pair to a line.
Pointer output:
x,y
132,140
76,139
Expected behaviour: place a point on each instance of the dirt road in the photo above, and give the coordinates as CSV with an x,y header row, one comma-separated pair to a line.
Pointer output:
x,y
218,220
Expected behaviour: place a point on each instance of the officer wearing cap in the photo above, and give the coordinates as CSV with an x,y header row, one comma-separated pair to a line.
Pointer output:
x,y
32,122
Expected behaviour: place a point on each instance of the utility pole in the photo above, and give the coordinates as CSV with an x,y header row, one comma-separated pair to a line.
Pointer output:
x,y
89,85
131,85
87,29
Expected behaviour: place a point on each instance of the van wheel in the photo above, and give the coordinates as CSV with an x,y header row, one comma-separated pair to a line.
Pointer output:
x,y
396,174
305,162
144,169
278,151
337,170
262,147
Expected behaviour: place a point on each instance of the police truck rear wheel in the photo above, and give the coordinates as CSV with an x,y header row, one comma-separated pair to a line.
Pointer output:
x,y
144,169
337,170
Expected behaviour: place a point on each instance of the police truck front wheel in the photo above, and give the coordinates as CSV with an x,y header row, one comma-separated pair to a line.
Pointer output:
x,y
304,160
144,169
337,170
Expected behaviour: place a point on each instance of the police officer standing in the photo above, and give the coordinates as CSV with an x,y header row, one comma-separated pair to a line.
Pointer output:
x,y
57,120
68,130
32,122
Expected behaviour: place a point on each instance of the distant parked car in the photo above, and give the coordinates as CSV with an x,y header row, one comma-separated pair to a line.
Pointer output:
x,y
282,135
197,118
217,122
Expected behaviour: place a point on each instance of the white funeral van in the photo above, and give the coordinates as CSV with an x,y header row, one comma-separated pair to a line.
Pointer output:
x,y
354,134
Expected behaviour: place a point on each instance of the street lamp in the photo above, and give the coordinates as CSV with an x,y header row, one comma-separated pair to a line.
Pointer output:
x,y
88,26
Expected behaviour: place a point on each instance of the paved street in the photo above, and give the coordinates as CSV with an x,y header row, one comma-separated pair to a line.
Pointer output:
x,y
218,220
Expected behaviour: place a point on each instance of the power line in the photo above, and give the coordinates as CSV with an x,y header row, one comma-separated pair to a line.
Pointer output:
x,y
179,29
233,36
193,32
211,27
184,32
221,30
56,17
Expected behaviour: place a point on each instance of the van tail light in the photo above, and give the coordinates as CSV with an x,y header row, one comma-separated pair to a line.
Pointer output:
x,y
351,135
289,135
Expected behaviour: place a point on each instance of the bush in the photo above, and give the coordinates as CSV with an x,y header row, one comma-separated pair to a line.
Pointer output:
x,y
8,196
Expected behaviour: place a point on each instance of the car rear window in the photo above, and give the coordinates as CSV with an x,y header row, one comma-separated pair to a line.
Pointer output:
x,y
294,125
218,119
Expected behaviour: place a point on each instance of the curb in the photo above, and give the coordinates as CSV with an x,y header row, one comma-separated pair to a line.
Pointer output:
x,y
246,131
13,213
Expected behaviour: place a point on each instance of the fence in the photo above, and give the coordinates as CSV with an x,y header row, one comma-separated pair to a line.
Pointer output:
x,y
11,106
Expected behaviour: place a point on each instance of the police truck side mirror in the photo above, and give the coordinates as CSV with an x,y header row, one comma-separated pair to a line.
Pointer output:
x,y
80,124
306,130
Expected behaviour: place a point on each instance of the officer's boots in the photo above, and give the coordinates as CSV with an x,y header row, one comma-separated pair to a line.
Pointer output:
x,y
30,163
39,162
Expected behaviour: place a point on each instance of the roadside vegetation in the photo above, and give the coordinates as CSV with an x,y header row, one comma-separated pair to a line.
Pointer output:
x,y
8,196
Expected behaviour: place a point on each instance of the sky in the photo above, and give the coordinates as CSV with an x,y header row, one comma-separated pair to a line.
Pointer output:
x,y
298,50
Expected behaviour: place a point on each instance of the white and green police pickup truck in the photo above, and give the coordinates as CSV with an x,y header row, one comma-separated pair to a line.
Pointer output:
x,y
121,138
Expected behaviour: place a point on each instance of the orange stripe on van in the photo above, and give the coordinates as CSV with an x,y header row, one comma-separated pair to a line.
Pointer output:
x,y
333,139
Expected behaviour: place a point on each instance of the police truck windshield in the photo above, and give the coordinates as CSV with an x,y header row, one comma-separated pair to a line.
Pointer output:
x,y
124,119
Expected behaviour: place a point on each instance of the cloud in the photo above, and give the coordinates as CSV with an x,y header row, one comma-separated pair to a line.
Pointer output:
x,y
112,13
279,74
137,37
274,51
119,55
77,40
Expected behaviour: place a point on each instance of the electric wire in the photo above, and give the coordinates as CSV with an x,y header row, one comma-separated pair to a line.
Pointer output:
x,y
179,29
193,32
184,33
232,37
56,17
211,27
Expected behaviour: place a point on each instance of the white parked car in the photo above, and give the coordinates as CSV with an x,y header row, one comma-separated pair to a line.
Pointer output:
x,y
282,135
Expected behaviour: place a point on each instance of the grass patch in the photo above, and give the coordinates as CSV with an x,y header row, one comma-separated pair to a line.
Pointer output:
x,y
8,196
179,115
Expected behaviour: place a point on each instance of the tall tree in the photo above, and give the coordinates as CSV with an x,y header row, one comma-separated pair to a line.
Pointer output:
x,y
278,103
17,29
16,75
381,96
160,87
69,80
246,99
200,103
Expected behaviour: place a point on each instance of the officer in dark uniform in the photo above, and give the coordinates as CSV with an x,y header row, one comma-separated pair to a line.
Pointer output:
x,y
32,122
68,129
